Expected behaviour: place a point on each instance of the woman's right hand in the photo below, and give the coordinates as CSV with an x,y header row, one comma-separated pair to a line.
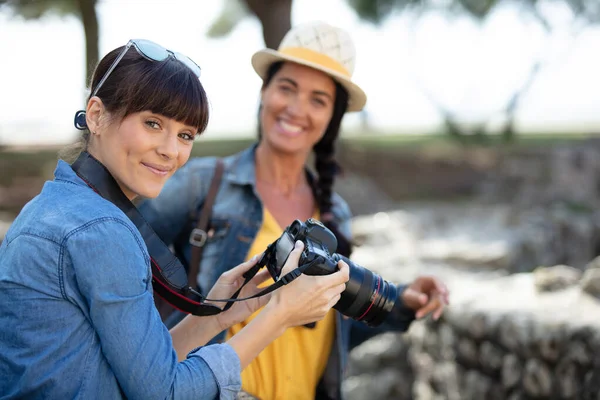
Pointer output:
x,y
308,298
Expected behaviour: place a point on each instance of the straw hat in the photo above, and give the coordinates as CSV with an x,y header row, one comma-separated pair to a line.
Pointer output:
x,y
320,46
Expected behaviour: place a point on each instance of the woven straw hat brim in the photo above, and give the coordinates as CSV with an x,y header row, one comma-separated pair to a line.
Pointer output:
x,y
261,60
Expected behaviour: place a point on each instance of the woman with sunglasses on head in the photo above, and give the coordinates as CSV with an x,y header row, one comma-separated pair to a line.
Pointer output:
x,y
77,317
307,88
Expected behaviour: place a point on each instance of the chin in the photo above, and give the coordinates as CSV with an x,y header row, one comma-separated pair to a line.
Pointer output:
x,y
148,192
288,147
152,193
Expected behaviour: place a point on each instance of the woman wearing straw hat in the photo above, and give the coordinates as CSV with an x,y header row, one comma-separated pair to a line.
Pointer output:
x,y
79,263
307,89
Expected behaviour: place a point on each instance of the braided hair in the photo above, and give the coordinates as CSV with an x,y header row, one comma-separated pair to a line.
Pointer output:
x,y
326,165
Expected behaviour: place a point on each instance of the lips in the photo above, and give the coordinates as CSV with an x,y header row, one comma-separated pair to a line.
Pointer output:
x,y
289,129
160,170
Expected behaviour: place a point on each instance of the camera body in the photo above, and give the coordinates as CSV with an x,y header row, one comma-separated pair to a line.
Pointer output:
x,y
319,248
367,296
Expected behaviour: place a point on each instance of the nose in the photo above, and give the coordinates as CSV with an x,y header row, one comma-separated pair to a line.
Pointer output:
x,y
169,146
297,106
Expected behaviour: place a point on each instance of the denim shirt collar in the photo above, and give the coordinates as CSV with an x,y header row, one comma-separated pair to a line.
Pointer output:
x,y
243,170
64,172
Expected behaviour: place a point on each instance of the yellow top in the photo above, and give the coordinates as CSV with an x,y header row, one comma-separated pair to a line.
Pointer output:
x,y
292,365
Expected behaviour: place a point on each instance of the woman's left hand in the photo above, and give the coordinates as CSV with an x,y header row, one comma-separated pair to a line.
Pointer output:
x,y
228,283
425,295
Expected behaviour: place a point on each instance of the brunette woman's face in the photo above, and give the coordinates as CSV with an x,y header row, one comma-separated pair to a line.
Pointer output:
x,y
140,151
297,106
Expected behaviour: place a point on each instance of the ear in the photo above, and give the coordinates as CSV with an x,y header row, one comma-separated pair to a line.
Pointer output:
x,y
93,114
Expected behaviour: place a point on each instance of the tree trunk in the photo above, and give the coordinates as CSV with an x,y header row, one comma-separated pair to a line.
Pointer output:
x,y
508,132
89,20
275,17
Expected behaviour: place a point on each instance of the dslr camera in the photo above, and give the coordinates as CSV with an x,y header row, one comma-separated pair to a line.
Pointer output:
x,y
367,297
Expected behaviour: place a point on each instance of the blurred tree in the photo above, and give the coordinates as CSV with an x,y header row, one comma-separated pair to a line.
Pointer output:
x,y
275,17
584,13
83,9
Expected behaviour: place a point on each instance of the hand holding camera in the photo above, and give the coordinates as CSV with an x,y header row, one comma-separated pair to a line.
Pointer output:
x,y
308,298
232,280
366,296
312,279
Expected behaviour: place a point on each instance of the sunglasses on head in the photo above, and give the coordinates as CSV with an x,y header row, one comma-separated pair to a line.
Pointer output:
x,y
152,52
147,49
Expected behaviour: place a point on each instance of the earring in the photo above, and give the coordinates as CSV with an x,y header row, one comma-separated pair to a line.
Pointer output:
x,y
79,120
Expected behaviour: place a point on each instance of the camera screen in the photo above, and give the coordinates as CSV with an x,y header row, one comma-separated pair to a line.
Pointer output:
x,y
285,245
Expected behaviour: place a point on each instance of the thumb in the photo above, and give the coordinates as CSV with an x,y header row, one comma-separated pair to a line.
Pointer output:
x,y
414,298
292,262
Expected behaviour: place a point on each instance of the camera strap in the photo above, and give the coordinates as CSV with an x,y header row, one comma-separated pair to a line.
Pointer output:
x,y
248,275
169,278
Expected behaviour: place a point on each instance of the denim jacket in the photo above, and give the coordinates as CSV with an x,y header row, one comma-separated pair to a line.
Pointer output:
x,y
236,219
77,317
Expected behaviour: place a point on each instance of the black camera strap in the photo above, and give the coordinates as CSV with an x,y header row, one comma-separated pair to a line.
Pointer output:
x,y
169,278
248,275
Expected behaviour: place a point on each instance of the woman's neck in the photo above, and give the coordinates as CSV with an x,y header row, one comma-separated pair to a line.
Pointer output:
x,y
282,171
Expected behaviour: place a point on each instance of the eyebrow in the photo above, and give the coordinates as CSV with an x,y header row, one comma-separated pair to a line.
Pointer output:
x,y
162,118
317,92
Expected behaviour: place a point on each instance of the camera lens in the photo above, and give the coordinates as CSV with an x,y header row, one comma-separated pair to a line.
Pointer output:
x,y
367,297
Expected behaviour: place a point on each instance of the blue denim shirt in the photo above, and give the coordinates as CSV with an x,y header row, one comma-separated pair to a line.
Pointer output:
x,y
77,318
236,219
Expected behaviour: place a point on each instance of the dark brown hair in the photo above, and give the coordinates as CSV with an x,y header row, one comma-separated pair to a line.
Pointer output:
x,y
326,165
137,84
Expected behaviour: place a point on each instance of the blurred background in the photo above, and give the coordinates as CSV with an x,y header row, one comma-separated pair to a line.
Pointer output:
x,y
477,158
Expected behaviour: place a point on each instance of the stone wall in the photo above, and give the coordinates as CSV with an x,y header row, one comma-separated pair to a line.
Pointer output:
x,y
506,340
566,173
501,338
533,335
478,236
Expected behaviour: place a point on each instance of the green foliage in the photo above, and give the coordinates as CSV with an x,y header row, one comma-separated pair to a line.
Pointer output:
x,y
376,11
35,9
478,8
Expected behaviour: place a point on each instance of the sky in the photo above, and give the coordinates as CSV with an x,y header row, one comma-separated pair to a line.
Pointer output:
x,y
470,69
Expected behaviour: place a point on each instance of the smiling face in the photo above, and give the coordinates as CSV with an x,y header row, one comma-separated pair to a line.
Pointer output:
x,y
297,105
140,151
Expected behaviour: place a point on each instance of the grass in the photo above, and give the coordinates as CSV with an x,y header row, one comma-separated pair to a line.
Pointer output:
x,y
33,161
412,142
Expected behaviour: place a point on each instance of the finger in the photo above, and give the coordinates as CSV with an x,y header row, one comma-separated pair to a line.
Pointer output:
x,y
334,300
339,277
343,266
259,278
439,286
340,288
245,266
412,296
438,312
441,290
446,298
292,261
423,311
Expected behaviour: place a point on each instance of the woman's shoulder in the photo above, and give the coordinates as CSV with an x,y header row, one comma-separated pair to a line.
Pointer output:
x,y
340,208
209,162
201,169
63,210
